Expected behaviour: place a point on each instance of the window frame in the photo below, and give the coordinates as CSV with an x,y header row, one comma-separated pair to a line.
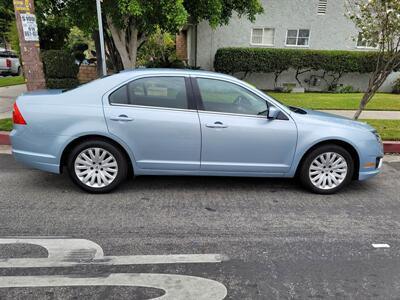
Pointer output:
x,y
262,37
366,47
199,99
297,38
191,103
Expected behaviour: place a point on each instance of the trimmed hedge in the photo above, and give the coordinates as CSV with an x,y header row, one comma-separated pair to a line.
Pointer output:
x,y
62,83
333,64
60,69
266,60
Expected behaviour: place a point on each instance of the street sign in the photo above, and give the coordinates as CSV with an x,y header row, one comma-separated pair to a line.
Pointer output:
x,y
29,27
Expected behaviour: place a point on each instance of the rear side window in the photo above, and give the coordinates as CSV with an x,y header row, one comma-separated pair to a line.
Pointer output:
x,y
169,92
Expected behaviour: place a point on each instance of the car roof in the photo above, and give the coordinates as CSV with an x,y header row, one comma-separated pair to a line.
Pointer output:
x,y
173,71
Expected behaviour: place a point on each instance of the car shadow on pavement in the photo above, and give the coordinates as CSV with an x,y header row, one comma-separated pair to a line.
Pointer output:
x,y
62,183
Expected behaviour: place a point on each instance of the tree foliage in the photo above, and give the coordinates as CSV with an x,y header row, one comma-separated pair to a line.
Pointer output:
x,y
131,22
6,19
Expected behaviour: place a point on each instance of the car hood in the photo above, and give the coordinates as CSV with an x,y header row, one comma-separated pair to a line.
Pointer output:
x,y
335,119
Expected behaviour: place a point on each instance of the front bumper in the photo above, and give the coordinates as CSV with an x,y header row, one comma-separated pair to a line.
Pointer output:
x,y
366,174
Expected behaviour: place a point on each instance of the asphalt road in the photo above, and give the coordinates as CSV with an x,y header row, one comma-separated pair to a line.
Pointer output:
x,y
277,240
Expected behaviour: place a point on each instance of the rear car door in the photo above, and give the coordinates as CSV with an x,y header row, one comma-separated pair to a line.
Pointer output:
x,y
155,116
236,134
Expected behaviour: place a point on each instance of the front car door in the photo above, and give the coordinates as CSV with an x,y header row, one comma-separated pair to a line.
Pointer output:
x,y
156,118
236,134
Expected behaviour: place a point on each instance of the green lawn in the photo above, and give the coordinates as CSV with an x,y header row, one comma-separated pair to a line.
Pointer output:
x,y
388,129
351,101
11,80
5,124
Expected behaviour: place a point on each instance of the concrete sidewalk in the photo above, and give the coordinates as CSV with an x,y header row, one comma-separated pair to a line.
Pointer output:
x,y
7,98
367,114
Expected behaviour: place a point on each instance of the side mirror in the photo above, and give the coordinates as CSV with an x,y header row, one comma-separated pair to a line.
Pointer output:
x,y
273,112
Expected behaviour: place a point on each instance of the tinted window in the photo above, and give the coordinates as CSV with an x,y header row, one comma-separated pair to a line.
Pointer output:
x,y
120,96
167,92
227,97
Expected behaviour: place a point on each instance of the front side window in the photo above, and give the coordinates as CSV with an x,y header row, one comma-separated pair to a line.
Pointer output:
x,y
168,92
226,97
298,37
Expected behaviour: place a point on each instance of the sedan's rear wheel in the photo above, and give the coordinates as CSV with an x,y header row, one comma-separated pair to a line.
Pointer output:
x,y
97,166
327,169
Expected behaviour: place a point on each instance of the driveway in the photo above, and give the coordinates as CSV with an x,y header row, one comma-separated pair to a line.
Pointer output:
x,y
7,98
259,238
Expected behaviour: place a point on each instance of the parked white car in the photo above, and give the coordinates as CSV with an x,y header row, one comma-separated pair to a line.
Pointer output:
x,y
9,63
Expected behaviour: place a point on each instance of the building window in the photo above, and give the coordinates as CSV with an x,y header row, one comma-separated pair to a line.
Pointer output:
x,y
298,37
365,44
322,7
263,36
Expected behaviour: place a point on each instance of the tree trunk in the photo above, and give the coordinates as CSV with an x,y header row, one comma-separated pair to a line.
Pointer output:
x,y
375,82
365,99
99,61
126,41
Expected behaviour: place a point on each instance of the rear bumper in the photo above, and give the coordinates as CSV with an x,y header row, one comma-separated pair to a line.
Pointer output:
x,y
38,152
38,161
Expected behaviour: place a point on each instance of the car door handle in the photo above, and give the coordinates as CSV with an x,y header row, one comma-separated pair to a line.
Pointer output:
x,y
121,118
216,125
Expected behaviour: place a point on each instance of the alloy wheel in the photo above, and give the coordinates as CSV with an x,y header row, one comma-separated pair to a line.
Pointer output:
x,y
328,170
96,167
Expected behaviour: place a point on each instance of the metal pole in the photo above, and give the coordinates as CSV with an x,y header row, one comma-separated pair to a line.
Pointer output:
x,y
101,37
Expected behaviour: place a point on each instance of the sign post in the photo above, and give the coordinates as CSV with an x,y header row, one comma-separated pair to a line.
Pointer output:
x,y
29,44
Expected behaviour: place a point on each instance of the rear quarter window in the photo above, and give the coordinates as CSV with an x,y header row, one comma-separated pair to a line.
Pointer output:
x,y
120,96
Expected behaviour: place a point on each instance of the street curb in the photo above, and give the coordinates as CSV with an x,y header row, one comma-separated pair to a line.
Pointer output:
x,y
5,138
389,147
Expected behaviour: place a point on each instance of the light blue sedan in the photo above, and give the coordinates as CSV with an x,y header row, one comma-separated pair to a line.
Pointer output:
x,y
183,122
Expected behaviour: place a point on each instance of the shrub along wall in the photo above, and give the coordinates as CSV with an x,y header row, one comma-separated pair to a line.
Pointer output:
x,y
333,64
60,69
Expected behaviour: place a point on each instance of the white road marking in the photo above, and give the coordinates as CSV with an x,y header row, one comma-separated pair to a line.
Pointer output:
x,y
67,252
61,248
114,261
176,287
378,246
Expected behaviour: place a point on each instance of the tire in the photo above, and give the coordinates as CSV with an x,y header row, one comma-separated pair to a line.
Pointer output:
x,y
19,72
103,174
320,176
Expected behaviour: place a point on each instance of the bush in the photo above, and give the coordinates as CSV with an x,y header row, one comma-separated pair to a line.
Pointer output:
x,y
62,83
396,86
266,60
60,69
59,64
334,64
347,89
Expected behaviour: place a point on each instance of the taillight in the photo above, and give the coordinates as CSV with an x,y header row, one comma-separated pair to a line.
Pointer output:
x,y
18,119
8,63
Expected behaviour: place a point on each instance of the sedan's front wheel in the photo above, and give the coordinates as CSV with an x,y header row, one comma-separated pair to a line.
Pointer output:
x,y
327,169
97,166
